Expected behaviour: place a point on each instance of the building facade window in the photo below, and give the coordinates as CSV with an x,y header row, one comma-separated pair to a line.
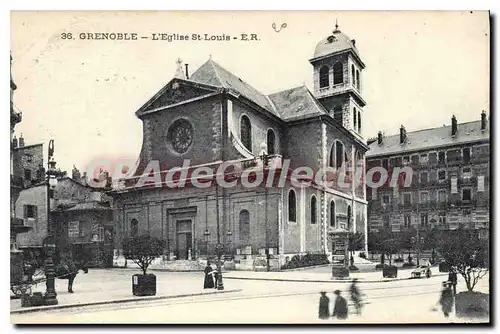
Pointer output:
x,y
386,199
271,142
387,222
424,219
442,220
246,132
337,155
466,195
314,210
244,225
358,84
324,77
30,211
442,175
466,155
333,216
424,177
355,116
442,157
424,158
407,220
442,196
27,174
292,206
359,121
406,160
353,76
424,197
338,73
134,228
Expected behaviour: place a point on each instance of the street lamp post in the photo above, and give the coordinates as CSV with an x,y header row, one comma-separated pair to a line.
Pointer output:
x,y
50,297
219,247
265,159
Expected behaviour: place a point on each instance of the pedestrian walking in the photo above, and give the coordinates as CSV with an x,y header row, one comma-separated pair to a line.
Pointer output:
x,y
340,308
356,296
209,280
324,306
452,278
446,299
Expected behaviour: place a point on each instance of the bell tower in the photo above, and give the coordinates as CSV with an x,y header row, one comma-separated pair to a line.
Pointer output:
x,y
338,80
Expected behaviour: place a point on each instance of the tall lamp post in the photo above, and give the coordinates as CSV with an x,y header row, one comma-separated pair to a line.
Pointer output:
x,y
265,160
50,297
219,248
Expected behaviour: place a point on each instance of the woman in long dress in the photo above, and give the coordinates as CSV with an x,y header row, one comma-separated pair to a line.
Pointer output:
x,y
209,280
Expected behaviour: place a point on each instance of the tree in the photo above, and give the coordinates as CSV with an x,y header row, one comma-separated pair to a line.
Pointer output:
x,y
463,249
373,243
431,241
143,250
356,241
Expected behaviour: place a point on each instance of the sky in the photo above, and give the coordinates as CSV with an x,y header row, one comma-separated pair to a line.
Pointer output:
x,y
421,68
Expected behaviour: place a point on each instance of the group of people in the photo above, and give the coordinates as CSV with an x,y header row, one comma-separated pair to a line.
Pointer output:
x,y
211,277
340,308
448,294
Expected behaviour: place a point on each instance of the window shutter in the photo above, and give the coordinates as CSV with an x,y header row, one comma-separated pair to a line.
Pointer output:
x,y
35,211
25,213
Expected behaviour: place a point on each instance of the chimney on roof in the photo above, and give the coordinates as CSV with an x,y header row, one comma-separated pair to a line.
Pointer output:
x,y
402,134
379,138
187,71
453,126
75,174
84,178
14,142
21,141
483,120
353,41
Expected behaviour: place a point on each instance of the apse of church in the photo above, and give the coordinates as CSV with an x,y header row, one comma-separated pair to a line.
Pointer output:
x,y
213,117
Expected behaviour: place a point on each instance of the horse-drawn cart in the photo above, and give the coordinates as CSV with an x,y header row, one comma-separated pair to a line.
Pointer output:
x,y
23,275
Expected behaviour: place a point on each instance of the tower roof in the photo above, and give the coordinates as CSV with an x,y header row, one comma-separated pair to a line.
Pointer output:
x,y
335,43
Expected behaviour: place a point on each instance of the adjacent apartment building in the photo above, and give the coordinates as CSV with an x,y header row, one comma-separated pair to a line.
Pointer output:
x,y
450,186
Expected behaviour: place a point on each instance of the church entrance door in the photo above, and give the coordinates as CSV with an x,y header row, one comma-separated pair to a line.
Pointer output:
x,y
184,239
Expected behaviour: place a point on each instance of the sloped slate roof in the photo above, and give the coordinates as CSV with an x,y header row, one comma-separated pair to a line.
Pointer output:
x,y
430,138
213,74
296,103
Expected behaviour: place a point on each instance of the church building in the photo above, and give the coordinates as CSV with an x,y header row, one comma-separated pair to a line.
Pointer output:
x,y
213,117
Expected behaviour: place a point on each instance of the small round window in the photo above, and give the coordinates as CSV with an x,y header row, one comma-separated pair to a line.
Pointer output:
x,y
180,136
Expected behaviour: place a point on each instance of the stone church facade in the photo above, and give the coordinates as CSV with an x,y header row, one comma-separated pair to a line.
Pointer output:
x,y
214,117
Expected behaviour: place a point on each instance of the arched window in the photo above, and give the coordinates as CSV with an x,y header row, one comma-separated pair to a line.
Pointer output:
x,y
337,155
314,210
353,75
357,79
324,77
332,214
359,121
246,132
244,225
134,228
271,142
355,116
338,73
349,214
292,206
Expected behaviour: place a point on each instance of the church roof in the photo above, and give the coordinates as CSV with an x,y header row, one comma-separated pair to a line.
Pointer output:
x,y
296,103
335,43
213,74
430,138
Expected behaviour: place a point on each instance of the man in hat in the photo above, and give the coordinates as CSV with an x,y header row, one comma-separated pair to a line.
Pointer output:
x,y
340,308
324,306
446,300
452,278
356,295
